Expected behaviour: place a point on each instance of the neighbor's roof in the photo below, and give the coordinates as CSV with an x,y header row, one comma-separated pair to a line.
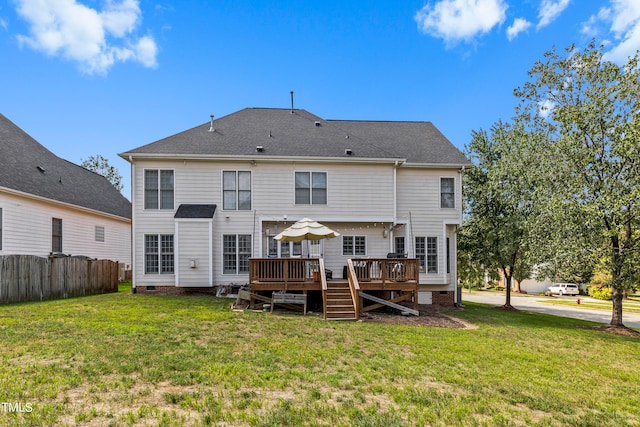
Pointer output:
x,y
28,167
283,133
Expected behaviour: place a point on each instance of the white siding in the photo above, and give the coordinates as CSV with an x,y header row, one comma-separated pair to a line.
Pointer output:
x,y
193,245
419,207
27,228
360,201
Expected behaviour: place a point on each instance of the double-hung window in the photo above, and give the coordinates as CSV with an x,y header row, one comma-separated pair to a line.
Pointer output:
x,y
354,245
427,254
311,188
236,189
158,254
236,251
447,193
56,235
158,189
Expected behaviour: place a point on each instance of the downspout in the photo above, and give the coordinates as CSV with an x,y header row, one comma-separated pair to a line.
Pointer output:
x,y
395,207
133,228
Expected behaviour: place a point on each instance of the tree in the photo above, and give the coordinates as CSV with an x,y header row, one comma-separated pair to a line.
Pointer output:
x,y
101,166
588,110
498,202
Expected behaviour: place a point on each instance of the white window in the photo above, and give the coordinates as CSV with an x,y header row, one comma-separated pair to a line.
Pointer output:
x,y
158,254
311,188
447,193
354,245
158,189
432,254
236,251
236,190
99,233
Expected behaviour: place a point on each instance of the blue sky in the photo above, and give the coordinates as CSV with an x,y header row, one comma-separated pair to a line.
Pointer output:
x,y
88,77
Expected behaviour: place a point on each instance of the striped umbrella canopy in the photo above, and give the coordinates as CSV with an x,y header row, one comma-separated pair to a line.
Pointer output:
x,y
306,229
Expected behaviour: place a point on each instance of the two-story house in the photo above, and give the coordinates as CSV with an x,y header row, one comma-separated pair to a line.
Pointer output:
x,y
208,199
49,205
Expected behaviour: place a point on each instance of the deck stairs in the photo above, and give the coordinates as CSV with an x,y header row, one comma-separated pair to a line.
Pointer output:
x,y
339,302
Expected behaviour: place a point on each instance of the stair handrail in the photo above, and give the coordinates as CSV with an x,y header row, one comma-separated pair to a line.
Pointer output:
x,y
323,281
354,287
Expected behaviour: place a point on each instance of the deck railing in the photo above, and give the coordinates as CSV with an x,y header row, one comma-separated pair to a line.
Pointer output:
x,y
387,270
284,270
354,287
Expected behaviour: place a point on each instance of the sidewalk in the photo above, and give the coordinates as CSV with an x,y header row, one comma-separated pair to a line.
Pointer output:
x,y
533,303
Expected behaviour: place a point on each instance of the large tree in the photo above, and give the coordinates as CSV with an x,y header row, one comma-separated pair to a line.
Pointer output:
x,y
498,202
100,165
588,110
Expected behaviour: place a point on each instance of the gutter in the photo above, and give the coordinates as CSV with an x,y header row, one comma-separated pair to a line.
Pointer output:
x,y
228,157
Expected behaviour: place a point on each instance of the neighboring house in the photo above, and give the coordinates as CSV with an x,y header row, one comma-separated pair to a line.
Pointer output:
x,y
51,206
207,199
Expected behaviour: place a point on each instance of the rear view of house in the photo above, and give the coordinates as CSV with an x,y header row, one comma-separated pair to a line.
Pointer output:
x,y
208,200
51,206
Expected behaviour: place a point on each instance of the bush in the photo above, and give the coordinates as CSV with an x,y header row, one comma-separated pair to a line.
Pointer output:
x,y
600,292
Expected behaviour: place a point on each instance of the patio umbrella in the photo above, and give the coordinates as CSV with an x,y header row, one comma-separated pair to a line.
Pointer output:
x,y
306,229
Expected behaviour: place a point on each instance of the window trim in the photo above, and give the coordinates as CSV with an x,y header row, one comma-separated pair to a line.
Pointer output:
x,y
237,189
238,254
54,221
427,260
453,186
96,234
162,268
158,189
310,173
354,245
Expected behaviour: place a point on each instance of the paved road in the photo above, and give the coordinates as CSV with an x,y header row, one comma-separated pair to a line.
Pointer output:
x,y
532,303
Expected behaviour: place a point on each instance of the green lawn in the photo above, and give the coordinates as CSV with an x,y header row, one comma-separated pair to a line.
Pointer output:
x,y
124,359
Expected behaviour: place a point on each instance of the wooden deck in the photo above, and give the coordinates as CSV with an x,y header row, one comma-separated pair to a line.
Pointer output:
x,y
398,276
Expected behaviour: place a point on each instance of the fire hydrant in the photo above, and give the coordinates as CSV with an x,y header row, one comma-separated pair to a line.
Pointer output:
x,y
578,300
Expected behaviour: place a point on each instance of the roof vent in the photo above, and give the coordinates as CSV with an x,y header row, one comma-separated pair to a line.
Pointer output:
x,y
317,123
259,148
348,152
40,168
211,128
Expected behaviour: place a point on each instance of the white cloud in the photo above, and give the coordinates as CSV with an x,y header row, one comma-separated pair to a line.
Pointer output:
x,y
622,22
3,23
460,20
96,40
550,10
518,26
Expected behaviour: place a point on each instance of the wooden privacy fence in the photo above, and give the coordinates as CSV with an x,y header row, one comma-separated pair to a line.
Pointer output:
x,y
33,278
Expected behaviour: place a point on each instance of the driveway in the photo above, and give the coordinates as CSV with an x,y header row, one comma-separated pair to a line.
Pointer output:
x,y
536,304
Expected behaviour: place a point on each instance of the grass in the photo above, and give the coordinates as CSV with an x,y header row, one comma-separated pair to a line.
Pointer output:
x,y
124,359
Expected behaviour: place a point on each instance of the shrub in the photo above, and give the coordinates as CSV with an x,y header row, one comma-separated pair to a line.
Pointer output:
x,y
600,292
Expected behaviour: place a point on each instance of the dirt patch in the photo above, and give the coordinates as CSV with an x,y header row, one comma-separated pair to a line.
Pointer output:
x,y
616,330
430,315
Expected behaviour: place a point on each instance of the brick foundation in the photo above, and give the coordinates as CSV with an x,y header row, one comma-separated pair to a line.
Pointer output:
x,y
444,298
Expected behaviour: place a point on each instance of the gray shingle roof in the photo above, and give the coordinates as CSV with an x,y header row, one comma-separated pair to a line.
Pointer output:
x,y
186,211
282,133
27,166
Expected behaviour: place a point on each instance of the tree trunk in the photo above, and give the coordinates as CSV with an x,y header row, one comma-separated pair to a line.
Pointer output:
x,y
507,285
616,315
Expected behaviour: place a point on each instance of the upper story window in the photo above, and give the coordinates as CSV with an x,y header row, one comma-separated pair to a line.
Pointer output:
x,y
311,188
99,233
158,189
447,193
236,190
